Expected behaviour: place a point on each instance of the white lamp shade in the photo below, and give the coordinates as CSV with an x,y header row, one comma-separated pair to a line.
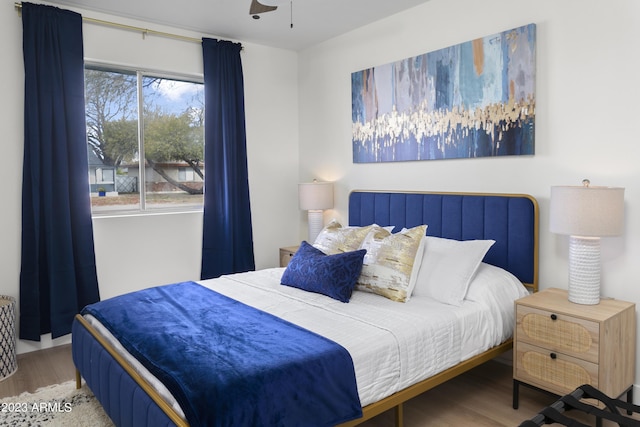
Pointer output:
x,y
587,211
315,196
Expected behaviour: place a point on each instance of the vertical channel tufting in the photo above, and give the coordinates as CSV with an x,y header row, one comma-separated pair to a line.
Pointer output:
x,y
510,221
398,211
433,214
496,227
414,213
452,217
382,209
472,218
119,394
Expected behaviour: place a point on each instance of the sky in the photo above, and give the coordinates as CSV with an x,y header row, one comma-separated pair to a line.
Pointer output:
x,y
176,96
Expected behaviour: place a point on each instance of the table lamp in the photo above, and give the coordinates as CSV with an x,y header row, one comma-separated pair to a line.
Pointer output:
x,y
586,213
314,197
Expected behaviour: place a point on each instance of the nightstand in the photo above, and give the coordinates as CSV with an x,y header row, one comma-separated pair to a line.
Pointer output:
x,y
286,253
559,345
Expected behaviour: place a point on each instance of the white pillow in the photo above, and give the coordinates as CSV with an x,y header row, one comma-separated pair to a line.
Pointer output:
x,y
392,262
491,282
497,289
448,266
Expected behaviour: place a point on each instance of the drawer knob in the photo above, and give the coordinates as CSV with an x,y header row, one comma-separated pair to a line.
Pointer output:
x,y
553,356
554,317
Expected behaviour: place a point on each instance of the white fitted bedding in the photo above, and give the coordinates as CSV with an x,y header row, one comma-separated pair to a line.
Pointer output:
x,y
393,345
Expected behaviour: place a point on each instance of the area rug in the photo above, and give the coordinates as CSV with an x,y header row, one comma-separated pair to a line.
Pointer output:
x,y
59,405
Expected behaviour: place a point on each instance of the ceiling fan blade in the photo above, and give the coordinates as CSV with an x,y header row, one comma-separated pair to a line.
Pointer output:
x,y
257,8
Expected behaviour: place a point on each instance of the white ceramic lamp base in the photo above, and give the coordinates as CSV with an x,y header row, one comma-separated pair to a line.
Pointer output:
x,y
584,270
316,223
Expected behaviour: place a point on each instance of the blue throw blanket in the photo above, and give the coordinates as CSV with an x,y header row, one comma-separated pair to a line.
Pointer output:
x,y
228,364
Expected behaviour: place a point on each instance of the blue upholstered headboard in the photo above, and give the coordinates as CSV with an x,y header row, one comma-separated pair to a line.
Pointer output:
x,y
509,219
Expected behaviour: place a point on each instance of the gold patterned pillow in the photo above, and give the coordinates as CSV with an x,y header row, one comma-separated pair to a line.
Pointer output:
x,y
392,262
336,239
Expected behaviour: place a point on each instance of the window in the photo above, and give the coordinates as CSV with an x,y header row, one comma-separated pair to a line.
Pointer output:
x,y
186,174
104,175
145,136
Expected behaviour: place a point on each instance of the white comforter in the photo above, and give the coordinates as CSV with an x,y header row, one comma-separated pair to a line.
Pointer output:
x,y
393,345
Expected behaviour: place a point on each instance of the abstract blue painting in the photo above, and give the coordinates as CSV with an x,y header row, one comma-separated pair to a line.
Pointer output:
x,y
474,99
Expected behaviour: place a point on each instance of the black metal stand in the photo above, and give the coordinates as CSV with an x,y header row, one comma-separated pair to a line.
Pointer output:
x,y
516,392
554,413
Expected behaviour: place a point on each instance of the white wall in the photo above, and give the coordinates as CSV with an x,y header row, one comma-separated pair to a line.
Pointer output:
x,y
140,251
587,109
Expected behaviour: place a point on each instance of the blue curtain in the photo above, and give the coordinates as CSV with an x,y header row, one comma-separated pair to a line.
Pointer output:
x,y
227,245
58,271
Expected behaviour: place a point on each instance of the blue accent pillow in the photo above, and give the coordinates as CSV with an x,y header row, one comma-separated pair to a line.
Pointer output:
x,y
312,270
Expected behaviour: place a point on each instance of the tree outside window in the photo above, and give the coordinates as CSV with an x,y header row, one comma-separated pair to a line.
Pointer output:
x,y
147,132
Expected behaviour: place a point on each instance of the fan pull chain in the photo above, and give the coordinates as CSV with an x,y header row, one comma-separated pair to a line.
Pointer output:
x,y
291,11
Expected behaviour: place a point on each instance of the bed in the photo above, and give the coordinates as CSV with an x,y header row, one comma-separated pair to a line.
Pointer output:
x,y
132,397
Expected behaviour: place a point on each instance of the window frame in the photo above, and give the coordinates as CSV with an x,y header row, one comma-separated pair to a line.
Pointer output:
x,y
140,73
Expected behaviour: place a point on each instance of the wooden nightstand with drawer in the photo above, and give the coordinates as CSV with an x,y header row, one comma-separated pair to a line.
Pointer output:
x,y
286,254
559,345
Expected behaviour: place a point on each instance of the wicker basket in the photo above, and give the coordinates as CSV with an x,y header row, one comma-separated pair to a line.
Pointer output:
x,y
8,359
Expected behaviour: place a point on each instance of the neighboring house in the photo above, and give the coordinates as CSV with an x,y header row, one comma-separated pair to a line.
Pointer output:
x,y
180,172
100,175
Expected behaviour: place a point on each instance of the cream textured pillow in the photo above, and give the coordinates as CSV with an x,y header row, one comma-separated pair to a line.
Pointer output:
x,y
448,266
392,262
336,239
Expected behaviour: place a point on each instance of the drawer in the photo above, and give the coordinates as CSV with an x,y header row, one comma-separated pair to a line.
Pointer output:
x,y
558,332
555,372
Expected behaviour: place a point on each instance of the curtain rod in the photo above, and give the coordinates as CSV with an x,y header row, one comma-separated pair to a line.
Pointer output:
x,y
143,31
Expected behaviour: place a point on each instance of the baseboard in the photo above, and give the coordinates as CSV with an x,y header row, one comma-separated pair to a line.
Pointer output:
x,y
25,346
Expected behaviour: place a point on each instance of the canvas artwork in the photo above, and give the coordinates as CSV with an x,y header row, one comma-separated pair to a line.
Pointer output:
x,y
475,99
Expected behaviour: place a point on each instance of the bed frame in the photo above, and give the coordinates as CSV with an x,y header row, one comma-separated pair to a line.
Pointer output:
x,y
509,219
